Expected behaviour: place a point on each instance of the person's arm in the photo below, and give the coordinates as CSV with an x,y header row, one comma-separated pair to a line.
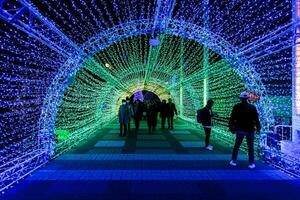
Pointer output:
x,y
214,114
175,109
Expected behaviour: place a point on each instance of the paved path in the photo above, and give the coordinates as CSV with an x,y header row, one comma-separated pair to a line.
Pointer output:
x,y
163,165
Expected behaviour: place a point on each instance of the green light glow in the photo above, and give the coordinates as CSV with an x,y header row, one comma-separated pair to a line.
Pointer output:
x,y
174,69
204,92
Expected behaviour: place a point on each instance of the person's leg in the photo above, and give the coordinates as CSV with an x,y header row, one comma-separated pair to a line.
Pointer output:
x,y
125,129
172,117
154,123
207,136
128,126
250,144
163,121
238,141
138,123
149,124
151,127
169,122
121,129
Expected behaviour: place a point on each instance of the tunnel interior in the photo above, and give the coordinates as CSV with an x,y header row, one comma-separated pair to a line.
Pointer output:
x,y
65,69
175,70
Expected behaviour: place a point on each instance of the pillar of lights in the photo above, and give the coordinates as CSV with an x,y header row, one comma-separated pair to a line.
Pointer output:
x,y
296,75
64,66
205,54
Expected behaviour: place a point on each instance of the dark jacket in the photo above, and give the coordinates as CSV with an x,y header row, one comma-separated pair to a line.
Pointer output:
x,y
152,112
163,110
171,109
244,117
206,115
124,114
138,110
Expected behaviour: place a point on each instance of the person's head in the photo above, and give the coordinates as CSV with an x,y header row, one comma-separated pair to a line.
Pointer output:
x,y
123,101
127,99
170,100
210,103
244,96
164,101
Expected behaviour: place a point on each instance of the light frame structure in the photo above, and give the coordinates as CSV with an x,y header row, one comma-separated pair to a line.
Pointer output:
x,y
243,58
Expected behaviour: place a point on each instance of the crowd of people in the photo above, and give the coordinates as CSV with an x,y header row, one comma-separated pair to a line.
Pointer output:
x,y
145,111
243,122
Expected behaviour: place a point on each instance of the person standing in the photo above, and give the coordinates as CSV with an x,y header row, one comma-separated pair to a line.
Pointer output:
x,y
171,110
130,112
152,117
163,113
244,122
206,120
123,118
137,114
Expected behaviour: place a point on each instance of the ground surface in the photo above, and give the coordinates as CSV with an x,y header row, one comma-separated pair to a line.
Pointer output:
x,y
163,165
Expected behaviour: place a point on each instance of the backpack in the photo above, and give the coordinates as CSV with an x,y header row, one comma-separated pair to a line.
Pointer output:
x,y
199,116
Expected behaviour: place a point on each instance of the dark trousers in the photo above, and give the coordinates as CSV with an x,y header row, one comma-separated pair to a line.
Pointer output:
x,y
128,126
137,122
151,122
207,135
170,122
123,129
163,122
250,142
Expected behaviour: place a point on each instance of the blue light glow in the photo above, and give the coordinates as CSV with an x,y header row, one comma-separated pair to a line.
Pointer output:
x,y
63,62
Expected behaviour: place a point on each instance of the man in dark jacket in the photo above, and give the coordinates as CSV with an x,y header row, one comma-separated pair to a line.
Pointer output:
x,y
244,121
124,117
206,116
171,110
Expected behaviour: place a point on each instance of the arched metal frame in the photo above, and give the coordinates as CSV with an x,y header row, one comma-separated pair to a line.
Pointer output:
x,y
174,27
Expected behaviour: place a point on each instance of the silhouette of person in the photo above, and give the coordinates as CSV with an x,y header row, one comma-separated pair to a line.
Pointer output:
x,y
130,112
163,113
206,116
243,122
124,116
171,110
137,114
152,117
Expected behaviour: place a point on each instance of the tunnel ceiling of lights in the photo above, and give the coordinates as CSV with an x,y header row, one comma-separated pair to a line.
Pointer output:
x,y
65,65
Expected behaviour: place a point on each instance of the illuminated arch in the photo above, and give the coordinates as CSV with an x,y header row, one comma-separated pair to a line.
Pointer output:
x,y
139,27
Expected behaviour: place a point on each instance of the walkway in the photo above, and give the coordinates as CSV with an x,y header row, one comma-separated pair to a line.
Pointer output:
x,y
164,165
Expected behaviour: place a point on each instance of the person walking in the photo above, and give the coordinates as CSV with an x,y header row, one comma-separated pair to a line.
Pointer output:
x,y
130,109
206,120
171,110
152,117
244,122
137,114
163,113
123,118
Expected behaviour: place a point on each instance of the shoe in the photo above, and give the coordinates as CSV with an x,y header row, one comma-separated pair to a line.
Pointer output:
x,y
209,147
251,166
233,163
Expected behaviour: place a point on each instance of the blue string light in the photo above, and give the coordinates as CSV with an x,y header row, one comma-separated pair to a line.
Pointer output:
x,y
63,62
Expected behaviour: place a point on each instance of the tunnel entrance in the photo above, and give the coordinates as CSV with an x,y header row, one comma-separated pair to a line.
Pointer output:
x,y
145,96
